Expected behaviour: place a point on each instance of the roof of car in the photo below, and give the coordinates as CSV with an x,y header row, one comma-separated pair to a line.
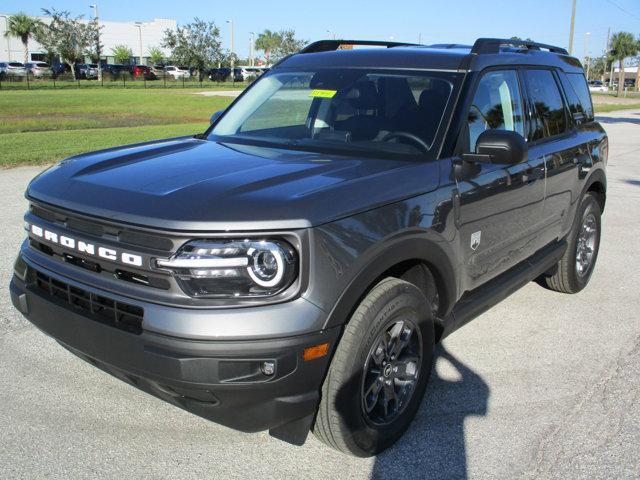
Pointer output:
x,y
447,57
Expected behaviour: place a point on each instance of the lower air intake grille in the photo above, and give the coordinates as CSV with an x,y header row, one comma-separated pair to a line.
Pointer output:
x,y
105,310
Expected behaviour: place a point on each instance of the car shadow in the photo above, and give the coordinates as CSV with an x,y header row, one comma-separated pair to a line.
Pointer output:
x,y
609,120
434,445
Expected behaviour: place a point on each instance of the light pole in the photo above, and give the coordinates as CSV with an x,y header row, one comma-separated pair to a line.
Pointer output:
x,y
6,27
587,59
95,16
251,43
233,63
332,34
139,25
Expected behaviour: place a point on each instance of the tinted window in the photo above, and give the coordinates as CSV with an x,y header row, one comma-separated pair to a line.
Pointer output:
x,y
548,116
581,89
496,105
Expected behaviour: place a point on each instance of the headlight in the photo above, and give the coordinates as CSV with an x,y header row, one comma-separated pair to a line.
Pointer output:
x,y
233,268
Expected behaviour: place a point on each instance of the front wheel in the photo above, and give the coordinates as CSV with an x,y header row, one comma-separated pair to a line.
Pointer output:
x,y
379,372
574,269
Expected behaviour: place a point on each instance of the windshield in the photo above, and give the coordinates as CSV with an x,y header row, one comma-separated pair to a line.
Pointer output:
x,y
350,110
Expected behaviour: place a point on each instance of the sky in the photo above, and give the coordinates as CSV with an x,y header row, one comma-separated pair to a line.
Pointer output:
x,y
430,21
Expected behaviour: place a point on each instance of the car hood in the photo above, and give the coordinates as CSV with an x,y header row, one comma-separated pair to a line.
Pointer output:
x,y
202,185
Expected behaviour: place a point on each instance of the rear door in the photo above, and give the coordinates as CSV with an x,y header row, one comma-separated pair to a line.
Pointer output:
x,y
499,205
554,146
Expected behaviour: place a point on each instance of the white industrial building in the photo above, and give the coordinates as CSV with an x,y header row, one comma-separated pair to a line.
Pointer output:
x,y
135,35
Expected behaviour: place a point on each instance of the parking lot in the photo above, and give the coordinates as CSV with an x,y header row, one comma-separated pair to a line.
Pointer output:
x,y
542,386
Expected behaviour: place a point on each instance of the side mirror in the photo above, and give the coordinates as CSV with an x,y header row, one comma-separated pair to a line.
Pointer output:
x,y
216,115
499,146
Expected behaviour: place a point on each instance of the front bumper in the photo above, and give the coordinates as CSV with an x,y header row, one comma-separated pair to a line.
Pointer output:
x,y
220,380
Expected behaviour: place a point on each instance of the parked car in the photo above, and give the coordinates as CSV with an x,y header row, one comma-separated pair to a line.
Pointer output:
x,y
12,69
114,70
158,70
293,268
39,69
251,73
86,71
219,74
597,86
142,71
176,72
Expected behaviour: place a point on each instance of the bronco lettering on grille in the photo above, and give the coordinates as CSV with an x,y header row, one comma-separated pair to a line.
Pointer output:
x,y
85,247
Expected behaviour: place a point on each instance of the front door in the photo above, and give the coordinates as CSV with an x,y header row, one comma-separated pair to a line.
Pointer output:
x,y
499,205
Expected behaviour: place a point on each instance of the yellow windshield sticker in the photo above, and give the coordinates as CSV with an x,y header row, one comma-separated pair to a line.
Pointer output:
x,y
322,93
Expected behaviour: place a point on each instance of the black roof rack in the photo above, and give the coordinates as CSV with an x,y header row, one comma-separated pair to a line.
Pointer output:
x,y
448,45
331,45
492,45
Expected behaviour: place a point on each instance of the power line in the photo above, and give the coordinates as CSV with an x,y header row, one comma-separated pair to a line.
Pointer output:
x,y
623,10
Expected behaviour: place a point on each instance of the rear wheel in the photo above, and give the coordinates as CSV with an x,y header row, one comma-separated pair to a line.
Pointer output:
x,y
379,372
576,266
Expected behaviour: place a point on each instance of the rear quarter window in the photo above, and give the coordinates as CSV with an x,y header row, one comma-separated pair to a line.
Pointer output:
x,y
580,89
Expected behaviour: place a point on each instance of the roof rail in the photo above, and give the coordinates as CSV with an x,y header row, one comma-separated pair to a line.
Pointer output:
x,y
492,45
331,45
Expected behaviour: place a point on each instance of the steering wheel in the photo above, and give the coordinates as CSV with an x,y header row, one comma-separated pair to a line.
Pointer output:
x,y
409,136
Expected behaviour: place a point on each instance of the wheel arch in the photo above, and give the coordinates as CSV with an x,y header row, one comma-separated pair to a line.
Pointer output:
x,y
395,260
597,184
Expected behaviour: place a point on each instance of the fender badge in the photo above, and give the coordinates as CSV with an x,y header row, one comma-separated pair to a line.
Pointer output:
x,y
475,240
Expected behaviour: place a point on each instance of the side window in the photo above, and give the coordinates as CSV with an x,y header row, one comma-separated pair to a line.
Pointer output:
x,y
580,87
496,105
548,115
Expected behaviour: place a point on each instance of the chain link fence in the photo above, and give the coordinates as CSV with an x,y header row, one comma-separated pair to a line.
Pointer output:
x,y
122,79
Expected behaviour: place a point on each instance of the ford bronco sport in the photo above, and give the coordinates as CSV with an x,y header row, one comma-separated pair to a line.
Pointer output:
x,y
291,268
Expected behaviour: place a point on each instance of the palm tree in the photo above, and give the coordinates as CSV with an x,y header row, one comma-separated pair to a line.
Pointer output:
x,y
623,46
22,26
267,41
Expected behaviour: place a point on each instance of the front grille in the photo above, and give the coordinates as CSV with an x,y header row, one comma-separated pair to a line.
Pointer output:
x,y
97,307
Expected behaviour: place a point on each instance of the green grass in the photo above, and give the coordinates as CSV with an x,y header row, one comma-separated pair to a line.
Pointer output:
x,y
612,107
38,127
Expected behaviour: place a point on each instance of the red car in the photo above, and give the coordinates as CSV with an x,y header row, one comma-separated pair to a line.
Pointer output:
x,y
142,71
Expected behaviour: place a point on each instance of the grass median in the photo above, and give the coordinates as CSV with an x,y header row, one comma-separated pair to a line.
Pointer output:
x,y
39,127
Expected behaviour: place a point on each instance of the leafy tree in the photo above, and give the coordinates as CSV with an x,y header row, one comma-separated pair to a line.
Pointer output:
x,y
268,41
68,36
24,27
156,55
288,45
121,53
623,46
227,59
196,44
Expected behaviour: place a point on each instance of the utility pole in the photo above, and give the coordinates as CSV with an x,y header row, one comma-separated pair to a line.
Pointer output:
x,y
6,27
139,25
230,22
573,21
587,58
606,55
420,39
251,43
95,16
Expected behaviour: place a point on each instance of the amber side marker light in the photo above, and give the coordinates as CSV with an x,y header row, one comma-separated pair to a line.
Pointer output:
x,y
317,351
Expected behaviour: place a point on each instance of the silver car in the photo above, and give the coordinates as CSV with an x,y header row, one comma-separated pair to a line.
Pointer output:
x,y
12,69
39,69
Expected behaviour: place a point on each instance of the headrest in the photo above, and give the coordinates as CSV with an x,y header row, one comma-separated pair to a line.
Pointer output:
x,y
364,96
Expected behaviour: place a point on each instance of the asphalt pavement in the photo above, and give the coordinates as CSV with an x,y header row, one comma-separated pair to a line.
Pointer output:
x,y
543,385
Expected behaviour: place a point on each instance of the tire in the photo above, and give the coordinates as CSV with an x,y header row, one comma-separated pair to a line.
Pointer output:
x,y
569,277
343,421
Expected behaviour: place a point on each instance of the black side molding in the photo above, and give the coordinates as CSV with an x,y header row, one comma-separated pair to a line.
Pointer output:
x,y
478,301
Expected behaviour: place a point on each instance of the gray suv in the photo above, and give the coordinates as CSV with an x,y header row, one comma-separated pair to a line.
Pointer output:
x,y
292,268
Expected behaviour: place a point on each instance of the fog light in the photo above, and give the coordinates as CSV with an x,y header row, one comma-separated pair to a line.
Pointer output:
x,y
268,367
